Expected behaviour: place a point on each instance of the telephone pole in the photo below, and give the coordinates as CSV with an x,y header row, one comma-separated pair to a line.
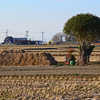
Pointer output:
x,y
42,37
27,34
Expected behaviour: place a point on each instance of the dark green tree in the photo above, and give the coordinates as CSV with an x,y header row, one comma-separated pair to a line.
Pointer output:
x,y
86,28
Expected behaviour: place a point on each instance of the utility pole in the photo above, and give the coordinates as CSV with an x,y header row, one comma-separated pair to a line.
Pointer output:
x,y
42,37
27,34
6,32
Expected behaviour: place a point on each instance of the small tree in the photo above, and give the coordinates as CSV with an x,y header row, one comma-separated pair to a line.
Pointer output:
x,y
85,27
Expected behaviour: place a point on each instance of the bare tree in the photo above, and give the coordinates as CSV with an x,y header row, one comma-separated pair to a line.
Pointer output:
x,y
58,38
62,37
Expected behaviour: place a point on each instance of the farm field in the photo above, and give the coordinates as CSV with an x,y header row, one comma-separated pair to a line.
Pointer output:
x,y
50,87
56,82
50,70
57,51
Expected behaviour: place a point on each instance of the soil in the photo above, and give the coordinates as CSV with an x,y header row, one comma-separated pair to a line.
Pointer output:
x,y
71,86
47,70
50,87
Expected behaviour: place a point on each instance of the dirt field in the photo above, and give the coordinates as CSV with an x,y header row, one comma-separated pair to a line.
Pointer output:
x,y
57,82
48,87
47,70
56,69
55,50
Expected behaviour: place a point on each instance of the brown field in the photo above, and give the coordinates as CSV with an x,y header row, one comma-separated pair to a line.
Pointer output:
x,y
57,51
56,82
50,70
50,87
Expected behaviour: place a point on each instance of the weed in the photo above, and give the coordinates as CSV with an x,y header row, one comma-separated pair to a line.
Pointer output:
x,y
68,65
15,75
84,75
4,70
16,69
61,64
76,74
55,65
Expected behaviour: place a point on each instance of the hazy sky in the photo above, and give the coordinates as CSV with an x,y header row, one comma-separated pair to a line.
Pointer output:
x,y
36,16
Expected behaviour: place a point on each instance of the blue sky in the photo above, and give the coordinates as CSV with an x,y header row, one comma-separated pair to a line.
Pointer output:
x,y
36,16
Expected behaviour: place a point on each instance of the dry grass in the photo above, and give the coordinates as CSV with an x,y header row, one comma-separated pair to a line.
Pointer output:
x,y
50,87
44,87
20,58
57,51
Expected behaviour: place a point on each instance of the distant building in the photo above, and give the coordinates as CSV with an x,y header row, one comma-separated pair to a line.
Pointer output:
x,y
20,41
9,39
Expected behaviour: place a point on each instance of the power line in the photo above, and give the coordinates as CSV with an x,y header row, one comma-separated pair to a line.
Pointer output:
x,y
4,32
11,33
16,32
35,32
